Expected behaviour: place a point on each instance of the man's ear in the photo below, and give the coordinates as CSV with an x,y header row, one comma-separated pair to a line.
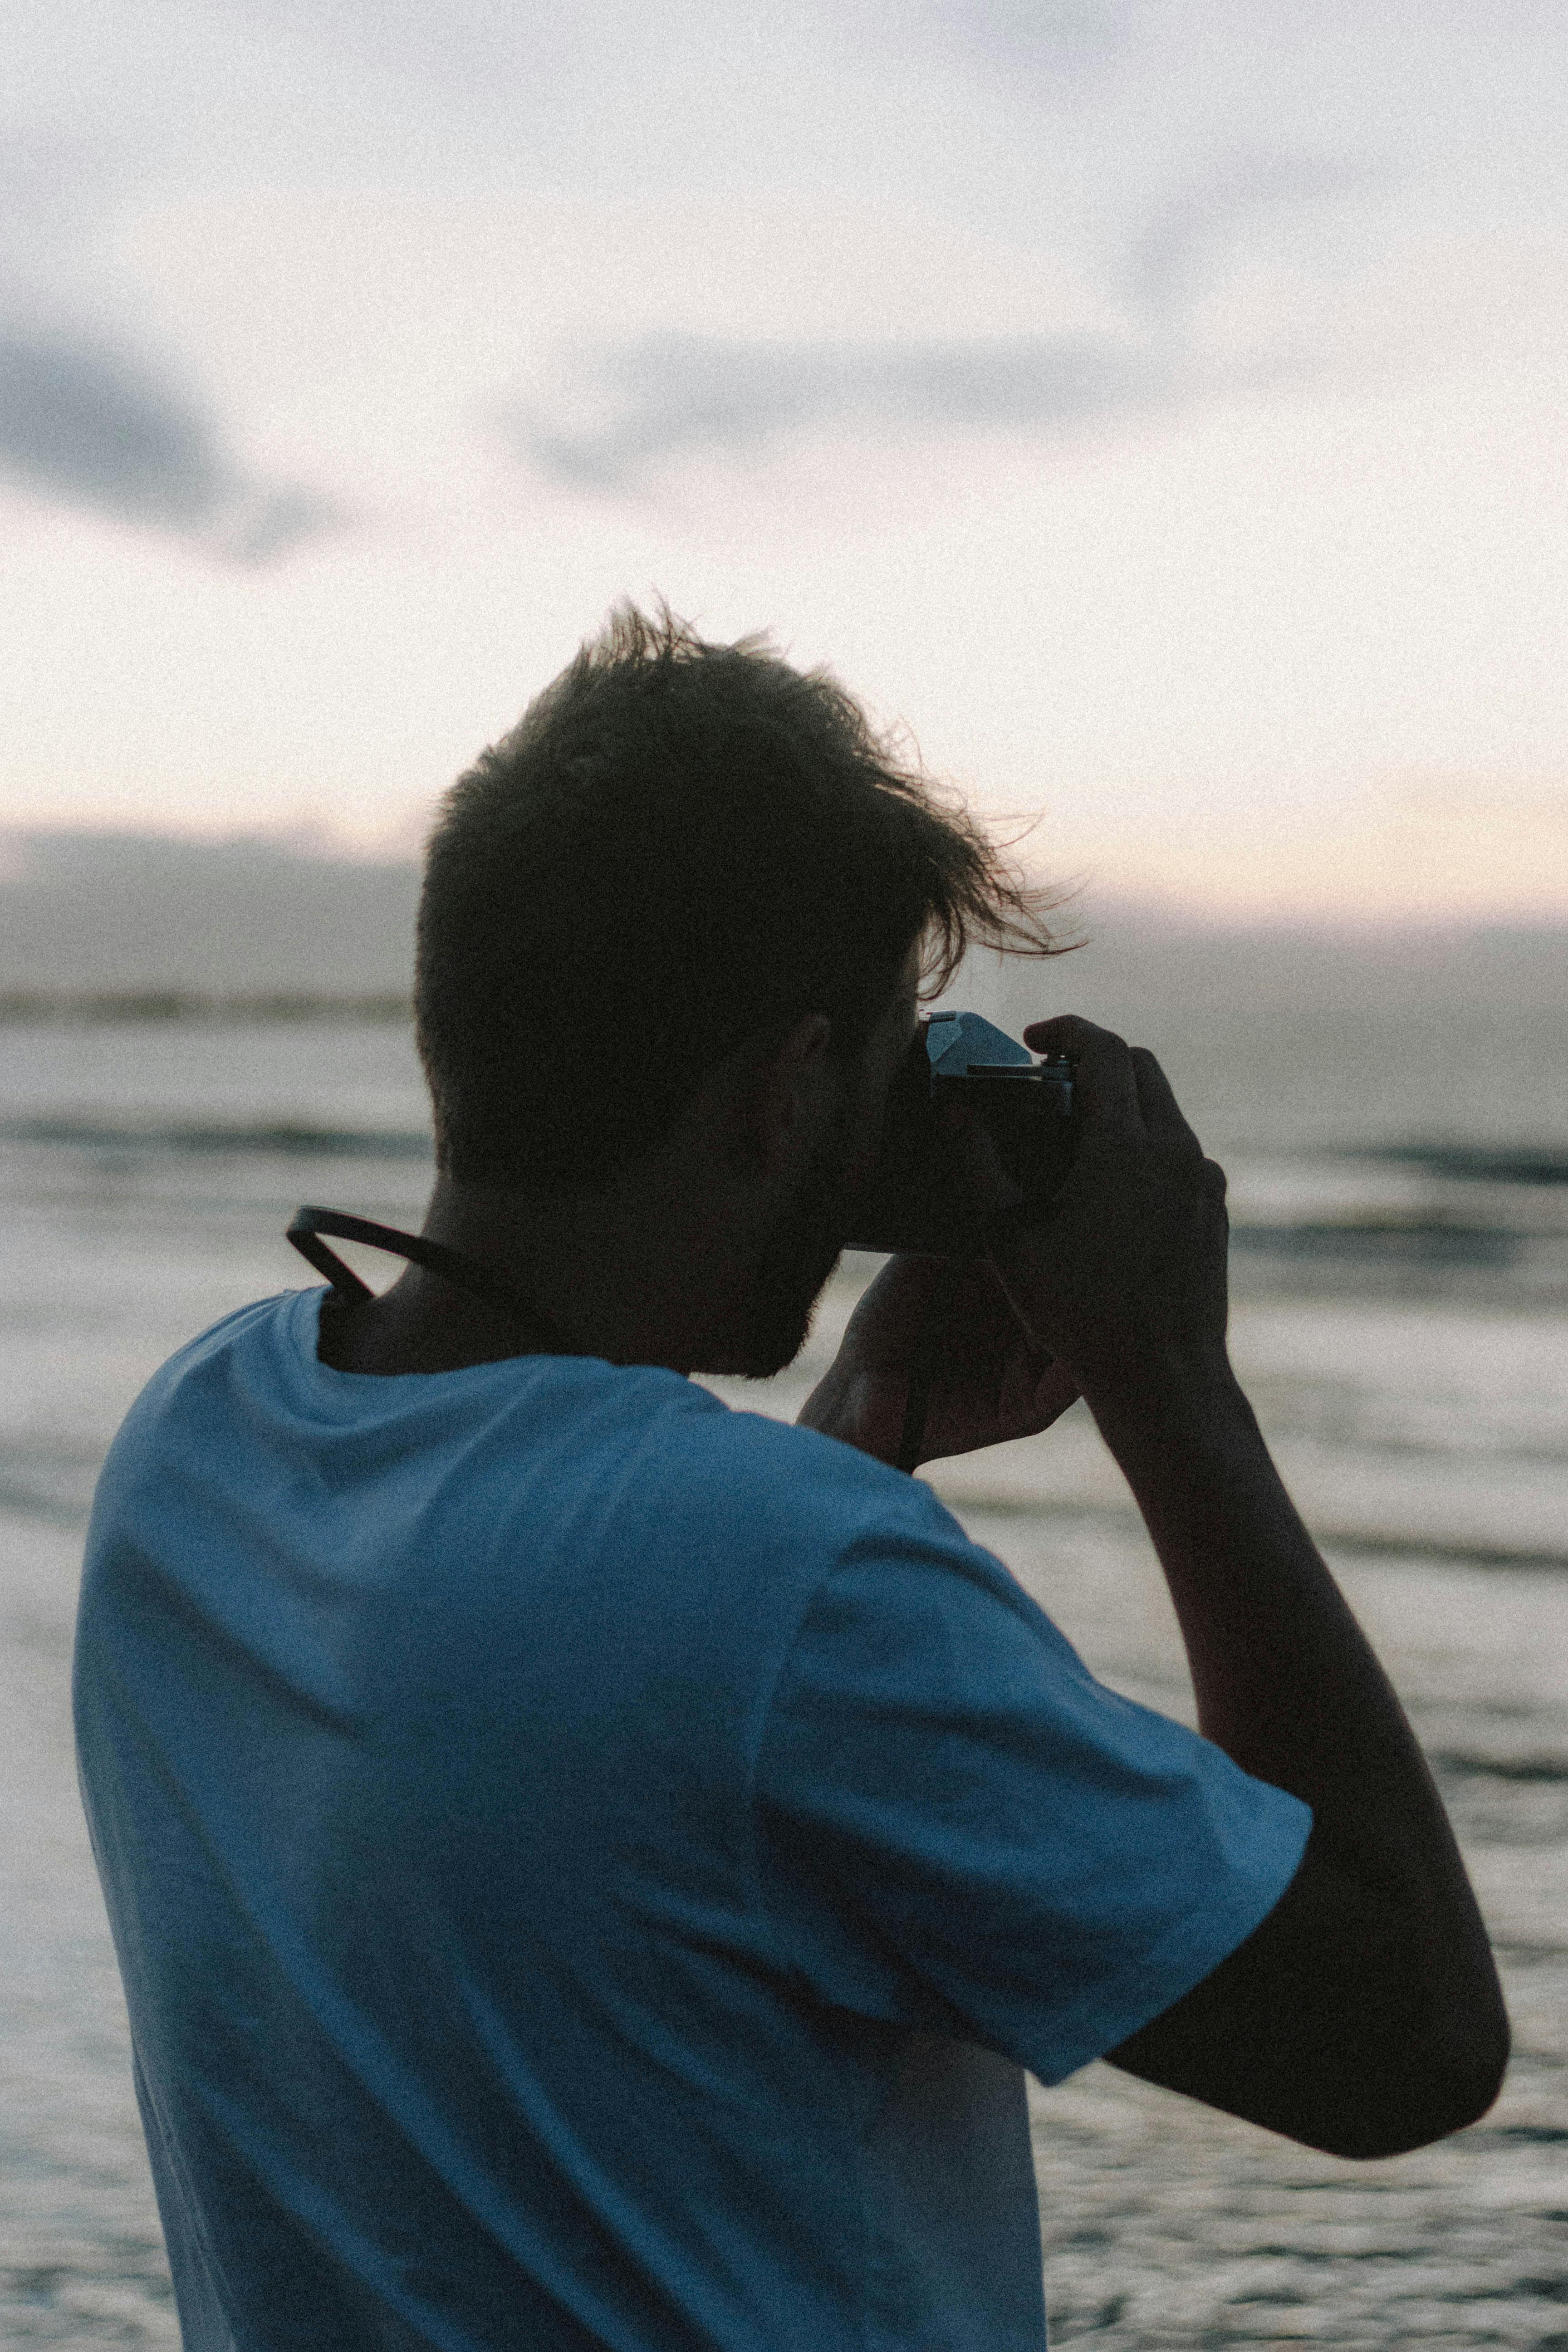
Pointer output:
x,y
783,1089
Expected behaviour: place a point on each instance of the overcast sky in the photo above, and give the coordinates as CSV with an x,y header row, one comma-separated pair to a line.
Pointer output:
x,y
1156,407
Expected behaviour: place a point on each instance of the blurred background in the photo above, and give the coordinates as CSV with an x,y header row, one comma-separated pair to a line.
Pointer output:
x,y
1154,412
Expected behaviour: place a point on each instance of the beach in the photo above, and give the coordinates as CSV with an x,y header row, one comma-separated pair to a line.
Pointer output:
x,y
1401,1313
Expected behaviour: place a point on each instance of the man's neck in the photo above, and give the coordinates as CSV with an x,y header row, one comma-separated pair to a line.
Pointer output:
x,y
633,1278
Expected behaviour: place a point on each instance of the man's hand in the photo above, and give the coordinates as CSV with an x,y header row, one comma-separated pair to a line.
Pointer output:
x,y
987,1383
1124,1279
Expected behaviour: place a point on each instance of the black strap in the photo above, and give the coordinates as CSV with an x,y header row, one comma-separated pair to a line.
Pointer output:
x,y
309,1224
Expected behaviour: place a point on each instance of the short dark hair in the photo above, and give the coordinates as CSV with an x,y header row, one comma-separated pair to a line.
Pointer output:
x,y
678,847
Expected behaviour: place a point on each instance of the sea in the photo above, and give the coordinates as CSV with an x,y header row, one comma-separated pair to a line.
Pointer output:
x,y
1399,1191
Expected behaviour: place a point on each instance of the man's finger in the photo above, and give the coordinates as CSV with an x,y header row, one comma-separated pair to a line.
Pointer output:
x,y
1163,1114
1105,1081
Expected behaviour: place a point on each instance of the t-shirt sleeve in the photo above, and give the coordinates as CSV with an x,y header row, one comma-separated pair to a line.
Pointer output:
x,y
959,1828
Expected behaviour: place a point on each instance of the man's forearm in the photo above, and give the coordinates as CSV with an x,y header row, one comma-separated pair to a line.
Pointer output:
x,y
1277,1657
1286,1682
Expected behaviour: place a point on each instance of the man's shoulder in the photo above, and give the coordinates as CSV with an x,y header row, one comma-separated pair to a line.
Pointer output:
x,y
806,1484
217,1363
544,1457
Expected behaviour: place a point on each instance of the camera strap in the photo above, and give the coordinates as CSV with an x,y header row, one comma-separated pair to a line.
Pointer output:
x,y
309,1224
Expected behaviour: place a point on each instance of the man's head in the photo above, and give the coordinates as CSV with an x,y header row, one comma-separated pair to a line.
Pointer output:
x,y
802,1184
681,848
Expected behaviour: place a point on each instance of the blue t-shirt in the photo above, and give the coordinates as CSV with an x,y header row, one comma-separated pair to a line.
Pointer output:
x,y
589,1866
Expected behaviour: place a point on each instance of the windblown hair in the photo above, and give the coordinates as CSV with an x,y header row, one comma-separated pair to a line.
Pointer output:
x,y
681,846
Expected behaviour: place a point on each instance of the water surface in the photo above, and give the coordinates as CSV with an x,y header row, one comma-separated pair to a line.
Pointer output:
x,y
1401,1321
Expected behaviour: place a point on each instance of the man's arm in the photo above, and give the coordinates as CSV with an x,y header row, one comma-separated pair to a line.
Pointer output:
x,y
1364,2016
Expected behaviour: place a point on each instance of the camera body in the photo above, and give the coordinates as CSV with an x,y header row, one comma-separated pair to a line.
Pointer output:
x,y
962,1072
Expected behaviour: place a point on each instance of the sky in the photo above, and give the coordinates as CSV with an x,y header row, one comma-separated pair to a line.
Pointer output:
x,y
1153,410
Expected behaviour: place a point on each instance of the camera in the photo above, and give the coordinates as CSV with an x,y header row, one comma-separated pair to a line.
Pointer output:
x,y
960,1072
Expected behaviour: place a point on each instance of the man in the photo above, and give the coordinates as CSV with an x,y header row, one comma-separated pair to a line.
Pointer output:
x,y
590,1867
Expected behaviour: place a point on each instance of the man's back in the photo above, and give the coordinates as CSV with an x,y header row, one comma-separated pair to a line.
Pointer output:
x,y
588,1866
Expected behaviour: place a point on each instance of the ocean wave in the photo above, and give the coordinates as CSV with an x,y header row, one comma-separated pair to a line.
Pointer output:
x,y
1424,1233
1431,1239
972,1499
1470,1163
289,1139
84,1008
1525,1772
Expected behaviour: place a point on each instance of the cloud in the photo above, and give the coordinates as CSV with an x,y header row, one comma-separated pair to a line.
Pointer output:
x,y
84,424
270,523
666,395
1181,234
93,428
1062,36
